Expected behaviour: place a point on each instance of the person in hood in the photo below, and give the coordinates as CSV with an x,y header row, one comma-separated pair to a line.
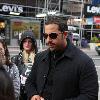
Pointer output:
x,y
11,68
25,59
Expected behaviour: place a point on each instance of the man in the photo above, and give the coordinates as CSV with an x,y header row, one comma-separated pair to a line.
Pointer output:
x,y
62,72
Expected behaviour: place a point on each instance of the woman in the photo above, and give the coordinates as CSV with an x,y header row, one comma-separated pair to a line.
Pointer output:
x,y
10,67
6,85
25,59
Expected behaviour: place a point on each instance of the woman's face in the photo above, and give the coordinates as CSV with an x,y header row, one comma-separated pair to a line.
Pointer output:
x,y
27,44
1,48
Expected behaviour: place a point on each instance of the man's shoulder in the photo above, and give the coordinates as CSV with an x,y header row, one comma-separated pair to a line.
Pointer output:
x,y
82,55
42,54
77,53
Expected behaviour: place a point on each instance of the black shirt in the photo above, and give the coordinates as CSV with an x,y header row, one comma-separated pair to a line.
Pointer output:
x,y
54,56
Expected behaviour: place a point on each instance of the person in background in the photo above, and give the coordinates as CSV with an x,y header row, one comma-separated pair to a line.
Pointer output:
x,y
25,59
10,67
6,85
62,72
70,37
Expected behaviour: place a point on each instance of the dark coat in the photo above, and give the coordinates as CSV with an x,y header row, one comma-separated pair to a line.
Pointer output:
x,y
75,76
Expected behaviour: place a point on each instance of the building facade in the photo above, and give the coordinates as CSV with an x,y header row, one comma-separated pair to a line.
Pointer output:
x,y
15,17
19,15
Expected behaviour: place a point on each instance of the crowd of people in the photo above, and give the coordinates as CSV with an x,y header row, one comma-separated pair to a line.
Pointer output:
x,y
62,72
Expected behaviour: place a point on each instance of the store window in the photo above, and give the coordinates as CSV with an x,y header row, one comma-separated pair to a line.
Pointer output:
x,y
18,26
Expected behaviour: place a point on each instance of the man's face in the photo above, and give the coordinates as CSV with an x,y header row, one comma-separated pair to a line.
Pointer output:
x,y
54,38
27,44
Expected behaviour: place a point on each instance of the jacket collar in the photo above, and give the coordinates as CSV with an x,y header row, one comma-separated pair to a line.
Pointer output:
x,y
46,55
69,52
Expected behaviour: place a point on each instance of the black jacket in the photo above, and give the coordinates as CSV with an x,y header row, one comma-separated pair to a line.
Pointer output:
x,y
18,60
75,76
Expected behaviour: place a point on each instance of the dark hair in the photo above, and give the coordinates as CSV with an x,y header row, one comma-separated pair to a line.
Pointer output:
x,y
6,85
59,21
7,55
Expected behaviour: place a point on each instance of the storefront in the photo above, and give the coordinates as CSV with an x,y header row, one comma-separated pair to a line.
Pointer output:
x,y
91,31
13,23
92,16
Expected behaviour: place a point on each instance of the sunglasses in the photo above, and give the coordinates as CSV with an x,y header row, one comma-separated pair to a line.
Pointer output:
x,y
51,35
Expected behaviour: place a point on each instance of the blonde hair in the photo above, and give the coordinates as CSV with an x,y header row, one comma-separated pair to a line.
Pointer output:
x,y
28,56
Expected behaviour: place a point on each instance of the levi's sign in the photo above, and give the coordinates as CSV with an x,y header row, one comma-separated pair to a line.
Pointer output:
x,y
11,8
91,10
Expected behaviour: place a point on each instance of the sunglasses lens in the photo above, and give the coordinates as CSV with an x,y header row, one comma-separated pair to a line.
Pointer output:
x,y
45,35
53,35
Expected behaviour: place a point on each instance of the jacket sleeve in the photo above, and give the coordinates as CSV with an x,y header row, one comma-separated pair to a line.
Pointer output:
x,y
16,81
14,60
31,80
88,83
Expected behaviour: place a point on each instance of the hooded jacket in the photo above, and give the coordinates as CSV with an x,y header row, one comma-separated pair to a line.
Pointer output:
x,y
28,34
24,68
18,59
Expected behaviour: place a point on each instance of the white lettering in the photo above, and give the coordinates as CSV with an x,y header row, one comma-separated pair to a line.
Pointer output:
x,y
7,8
15,9
93,9
20,9
88,9
11,9
98,10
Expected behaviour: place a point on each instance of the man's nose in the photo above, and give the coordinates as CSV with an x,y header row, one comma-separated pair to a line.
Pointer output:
x,y
48,39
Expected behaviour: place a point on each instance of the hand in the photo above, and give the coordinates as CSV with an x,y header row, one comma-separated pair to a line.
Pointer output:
x,y
37,97
42,98
23,79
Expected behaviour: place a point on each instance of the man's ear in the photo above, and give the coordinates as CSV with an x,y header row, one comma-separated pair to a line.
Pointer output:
x,y
65,33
